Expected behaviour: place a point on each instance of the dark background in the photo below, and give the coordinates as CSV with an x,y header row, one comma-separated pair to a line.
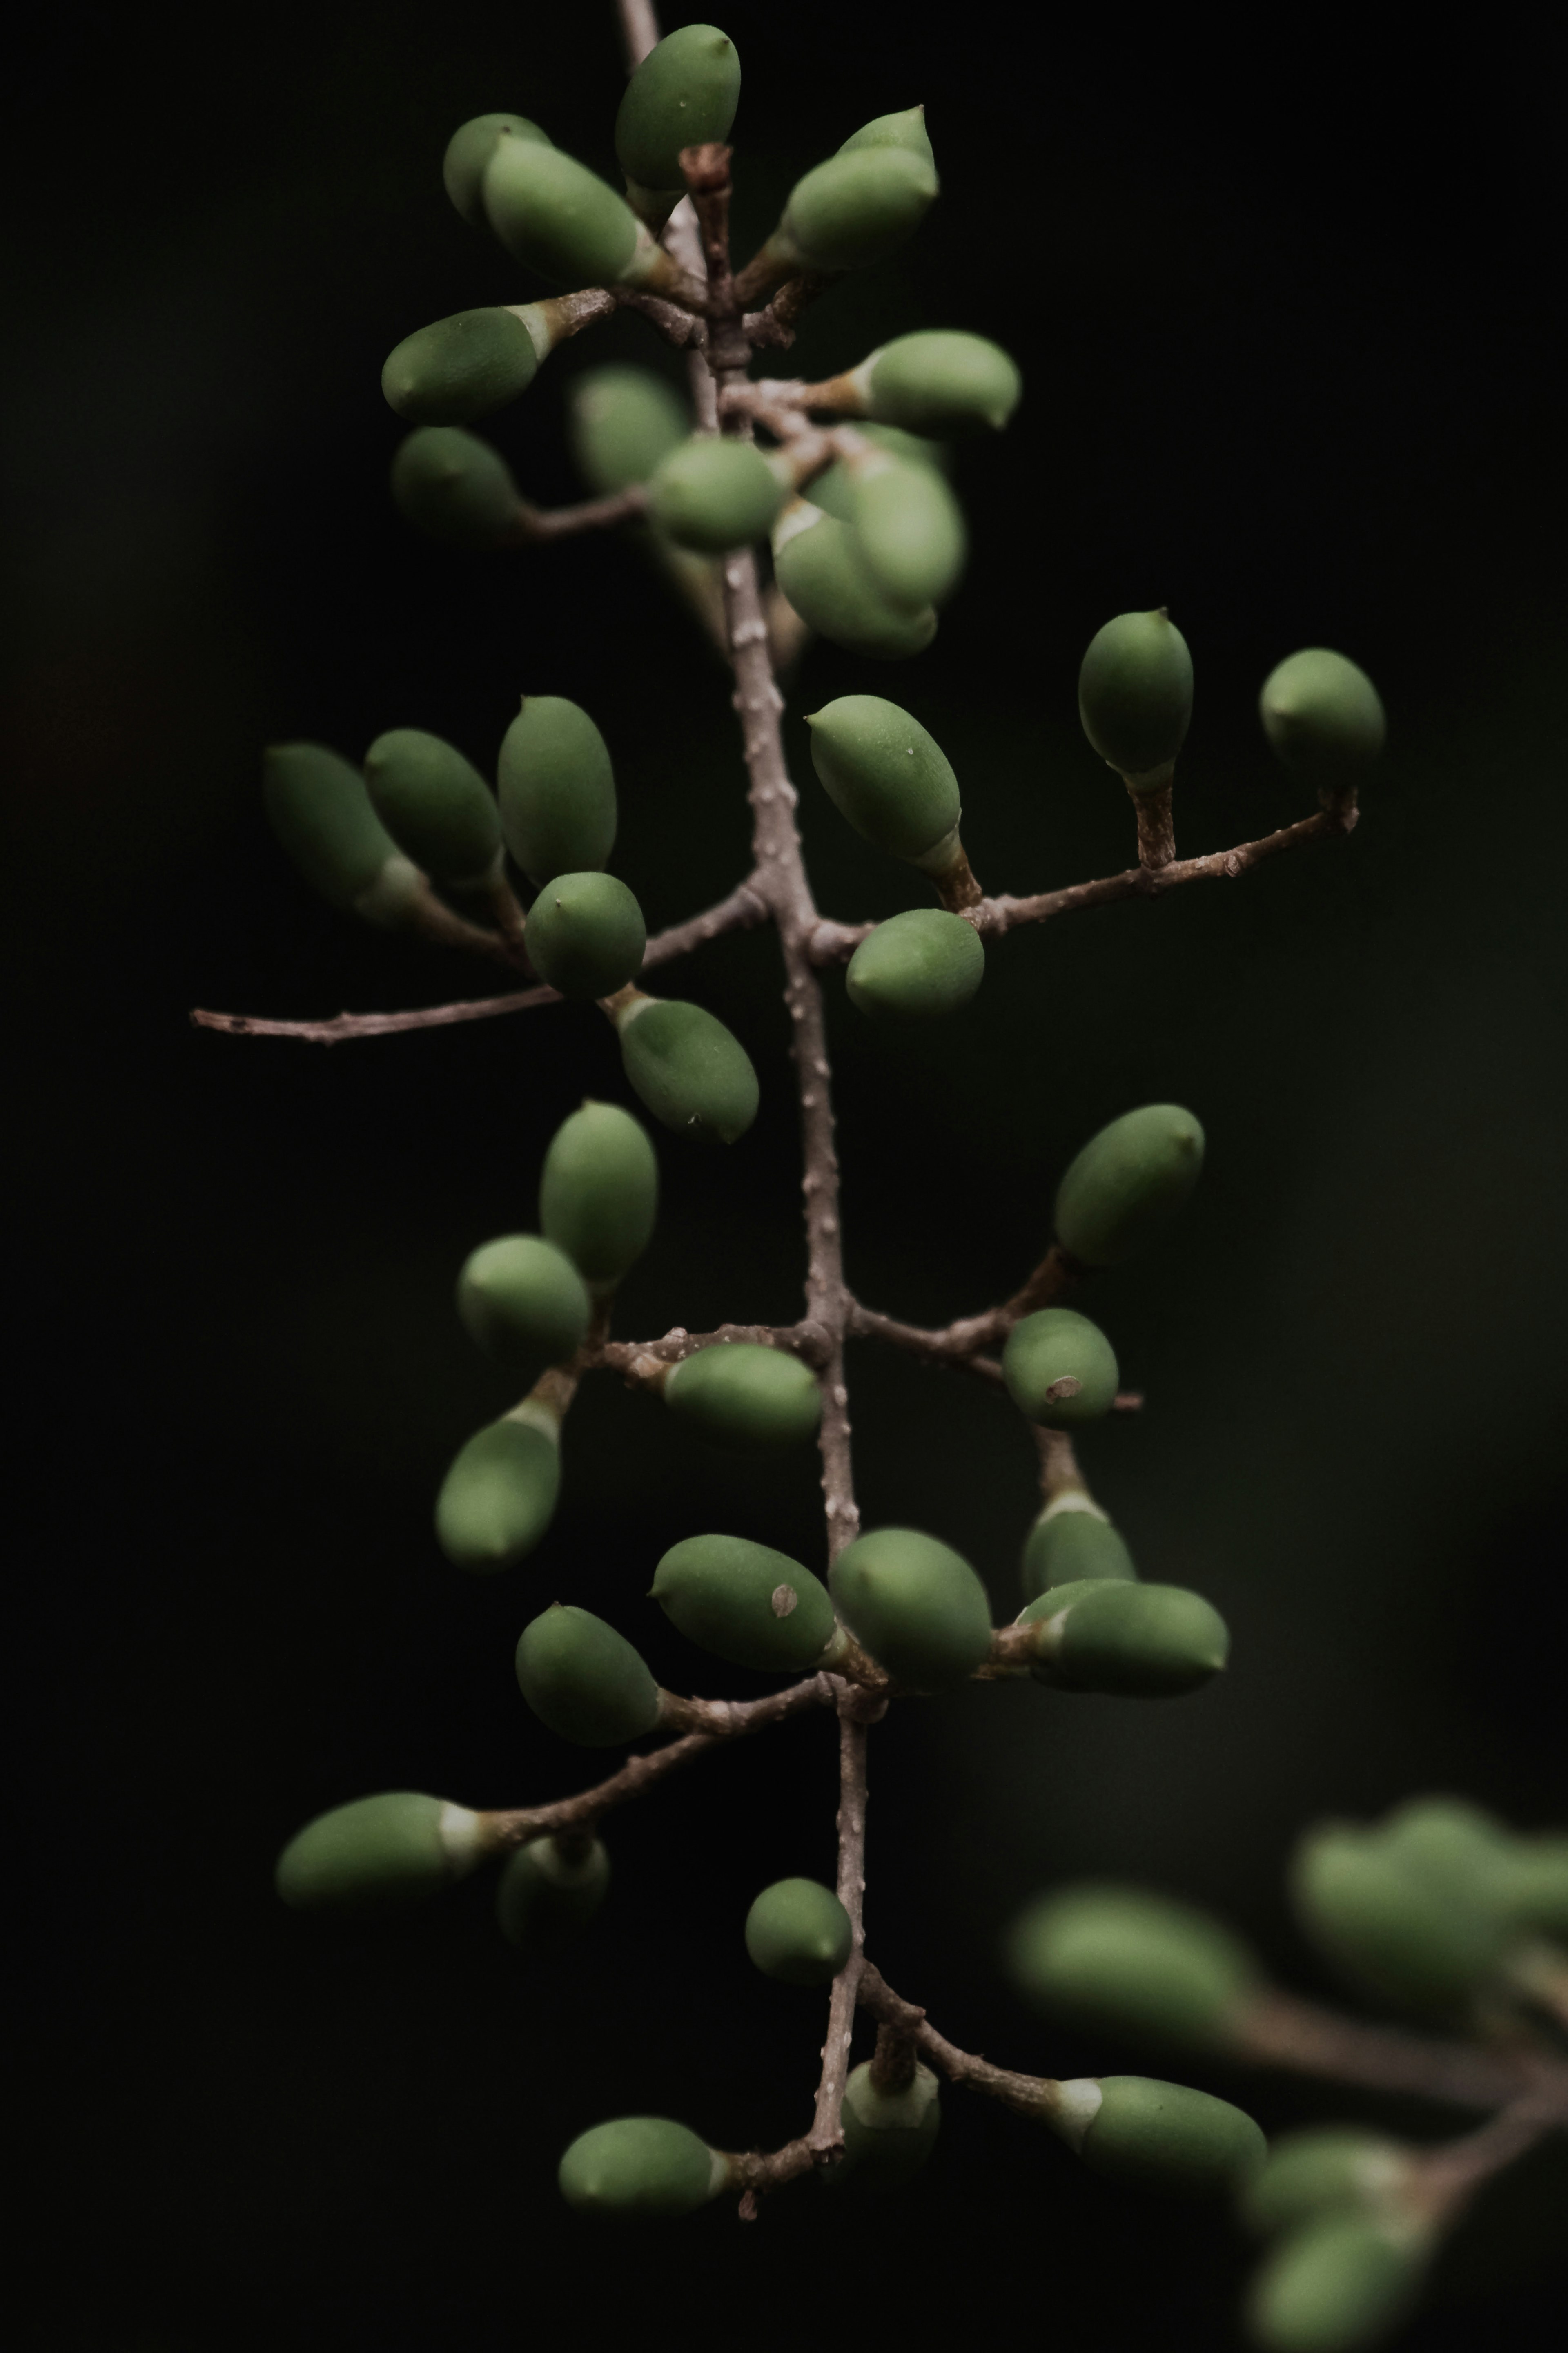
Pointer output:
x,y
1287,304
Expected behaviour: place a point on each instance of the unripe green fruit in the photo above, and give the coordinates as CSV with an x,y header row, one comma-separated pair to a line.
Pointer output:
x,y
1124,1958
1135,694
1537,1883
557,790
1114,1635
713,494
1155,2135
751,1399
463,367
641,2165
1322,2167
434,804
498,1497
684,94
470,150
798,1931
454,487
598,1192
745,1602
916,1605
323,816
941,381
585,935
1069,1547
583,1680
1128,1182
887,2135
525,1302
905,130
378,1853
910,530
1404,1936
1059,1368
562,219
1463,1853
885,773
546,1898
857,209
833,490
1323,718
916,966
692,1072
820,568
1338,2283
621,421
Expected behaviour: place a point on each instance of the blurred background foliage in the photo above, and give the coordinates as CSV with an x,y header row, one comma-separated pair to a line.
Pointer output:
x,y
1282,307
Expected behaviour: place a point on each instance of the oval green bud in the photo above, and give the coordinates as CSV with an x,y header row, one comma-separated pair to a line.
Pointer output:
x,y
641,2165
621,421
887,2135
1537,1883
378,1853
1059,1368
1069,1545
712,494
583,1680
1135,694
833,490
434,804
885,773
585,935
552,213
684,94
940,381
745,1602
909,527
323,816
1461,1852
498,1497
692,1072
462,367
1129,1960
557,790
906,130
1394,1928
916,966
857,209
821,569
1322,2167
751,1399
1157,2135
1128,1182
525,1302
1114,1635
454,487
798,1931
1323,718
1338,2283
598,1192
916,1605
549,1892
470,150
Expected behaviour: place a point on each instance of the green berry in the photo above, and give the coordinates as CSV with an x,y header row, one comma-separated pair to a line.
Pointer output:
x,y
598,1193
684,94
1127,1183
886,775
1537,1883
585,935
855,208
1322,2167
820,568
1461,1852
436,805
887,2135
1069,1545
916,966
745,1602
713,494
547,1896
909,529
1155,2135
748,1398
916,1605
325,820
378,1853
525,1302
583,1680
498,1497
833,490
1337,2282
552,213
470,150
557,790
464,366
621,421
690,1072
641,2165
1407,1935
1059,1368
798,1931
1323,718
1135,694
940,381
1114,1635
905,130
454,487
1131,1961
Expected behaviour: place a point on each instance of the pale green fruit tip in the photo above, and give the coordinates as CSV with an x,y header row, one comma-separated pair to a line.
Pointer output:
x,y
1323,717
641,2166
583,1680
798,1931
1124,1957
456,488
1128,1182
469,151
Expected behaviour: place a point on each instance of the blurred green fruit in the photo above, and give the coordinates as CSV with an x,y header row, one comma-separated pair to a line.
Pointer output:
x,y
378,1853
1337,2282
1132,1961
821,567
641,2165
584,1679
470,150
525,1302
464,367
887,2135
940,381
1323,718
692,1072
712,494
1322,2167
621,422
498,1497
454,487
1127,1183
552,213
749,1399
598,1192
323,816
557,790
436,805
1069,1547
547,1896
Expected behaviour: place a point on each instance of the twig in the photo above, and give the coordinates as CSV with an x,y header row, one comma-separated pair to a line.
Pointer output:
x,y
961,1342
535,523
1450,2175
1278,2030
646,1362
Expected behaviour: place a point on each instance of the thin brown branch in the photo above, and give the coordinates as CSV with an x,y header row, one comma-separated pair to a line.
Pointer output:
x,y
772,327
645,1363
826,2128
537,523
1024,2093
1156,828
681,328
960,1342
640,30
1278,2030
1449,2176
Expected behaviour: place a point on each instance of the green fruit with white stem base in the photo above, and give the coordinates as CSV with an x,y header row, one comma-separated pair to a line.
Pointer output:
x,y
641,2165
886,775
916,1605
378,1853
1323,718
1156,2135
748,1398
469,151
1338,2283
324,818
525,1302
500,1495
910,528
598,1193
916,966
1324,2167
557,790
1116,1634
552,213
798,1931
940,381
436,805
746,1603
584,1679
1131,1961
585,935
833,490
683,94
820,568
887,2135
454,487
1128,1181
1061,1369
691,1071
715,493
465,366
622,422
1135,695
854,209
550,1891
1070,1543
